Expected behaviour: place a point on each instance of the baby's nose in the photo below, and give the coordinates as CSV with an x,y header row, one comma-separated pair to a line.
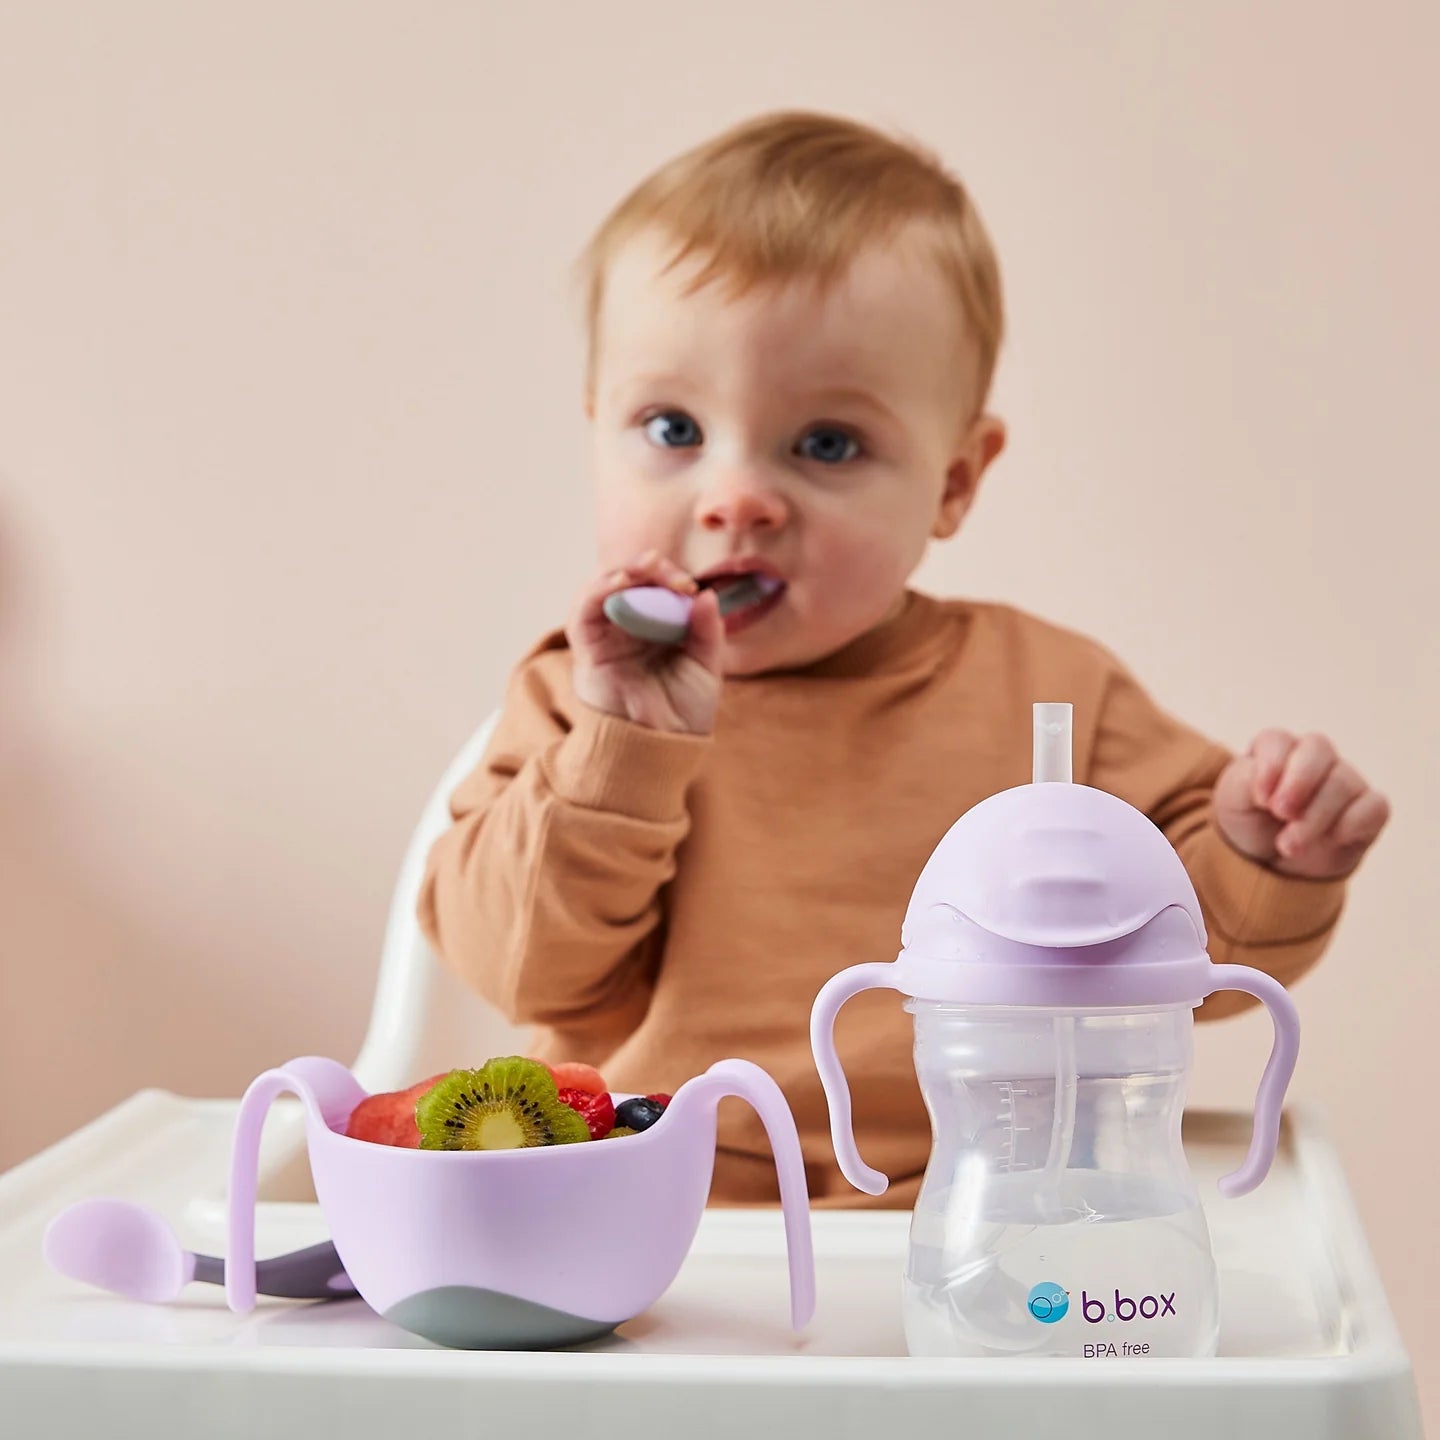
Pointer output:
x,y
742,503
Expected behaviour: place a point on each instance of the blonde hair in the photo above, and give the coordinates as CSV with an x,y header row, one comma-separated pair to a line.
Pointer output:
x,y
797,195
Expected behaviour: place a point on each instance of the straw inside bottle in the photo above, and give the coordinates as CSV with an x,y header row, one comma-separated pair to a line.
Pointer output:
x,y
1062,1127
1052,761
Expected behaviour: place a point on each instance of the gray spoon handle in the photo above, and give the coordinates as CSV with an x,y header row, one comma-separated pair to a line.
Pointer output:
x,y
314,1273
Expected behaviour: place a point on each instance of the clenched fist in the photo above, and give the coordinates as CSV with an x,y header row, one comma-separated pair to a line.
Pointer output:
x,y
666,688
1295,805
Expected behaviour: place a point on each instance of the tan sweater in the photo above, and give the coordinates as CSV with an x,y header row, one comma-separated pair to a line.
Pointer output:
x,y
654,902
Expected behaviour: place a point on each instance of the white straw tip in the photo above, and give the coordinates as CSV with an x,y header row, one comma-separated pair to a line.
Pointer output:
x,y
1053,722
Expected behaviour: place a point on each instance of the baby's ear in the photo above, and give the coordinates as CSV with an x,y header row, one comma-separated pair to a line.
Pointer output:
x,y
983,442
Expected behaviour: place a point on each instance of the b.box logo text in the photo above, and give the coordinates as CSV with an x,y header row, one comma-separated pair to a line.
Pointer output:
x,y
1147,1307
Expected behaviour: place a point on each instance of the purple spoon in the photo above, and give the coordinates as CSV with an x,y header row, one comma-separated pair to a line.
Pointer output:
x,y
651,612
130,1250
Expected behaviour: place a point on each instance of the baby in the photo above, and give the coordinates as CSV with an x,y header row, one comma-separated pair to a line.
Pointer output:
x,y
665,853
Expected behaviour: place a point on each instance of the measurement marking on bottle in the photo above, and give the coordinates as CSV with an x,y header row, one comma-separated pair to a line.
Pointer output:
x,y
1009,1159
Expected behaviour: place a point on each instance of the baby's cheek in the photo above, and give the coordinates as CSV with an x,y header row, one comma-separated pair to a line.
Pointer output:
x,y
625,527
869,557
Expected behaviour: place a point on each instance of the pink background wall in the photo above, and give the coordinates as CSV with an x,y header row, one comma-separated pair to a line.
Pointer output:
x,y
292,463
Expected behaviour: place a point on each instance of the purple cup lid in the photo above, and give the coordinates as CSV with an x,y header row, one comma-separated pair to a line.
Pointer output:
x,y
1054,894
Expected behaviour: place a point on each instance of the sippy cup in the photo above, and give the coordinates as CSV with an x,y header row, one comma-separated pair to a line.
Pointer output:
x,y
1051,955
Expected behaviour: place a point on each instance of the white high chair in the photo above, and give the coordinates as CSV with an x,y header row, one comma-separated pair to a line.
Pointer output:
x,y
422,1017
1307,1342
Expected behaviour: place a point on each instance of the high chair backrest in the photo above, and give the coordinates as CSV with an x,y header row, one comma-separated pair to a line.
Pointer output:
x,y
423,1019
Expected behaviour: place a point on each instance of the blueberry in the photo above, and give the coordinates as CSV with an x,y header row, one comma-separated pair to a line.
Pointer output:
x,y
639,1113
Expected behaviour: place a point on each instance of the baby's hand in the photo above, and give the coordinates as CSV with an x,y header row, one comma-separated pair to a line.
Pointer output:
x,y
1298,807
665,687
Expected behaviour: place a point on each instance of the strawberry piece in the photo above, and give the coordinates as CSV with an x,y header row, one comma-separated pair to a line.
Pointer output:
x,y
597,1111
572,1075
660,1099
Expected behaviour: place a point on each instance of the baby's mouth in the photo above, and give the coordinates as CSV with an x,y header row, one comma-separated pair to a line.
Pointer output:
x,y
746,597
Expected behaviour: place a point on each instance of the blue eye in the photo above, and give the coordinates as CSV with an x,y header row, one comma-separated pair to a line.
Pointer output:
x,y
832,449
676,429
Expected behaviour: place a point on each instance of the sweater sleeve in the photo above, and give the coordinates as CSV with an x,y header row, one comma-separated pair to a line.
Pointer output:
x,y
1253,915
545,892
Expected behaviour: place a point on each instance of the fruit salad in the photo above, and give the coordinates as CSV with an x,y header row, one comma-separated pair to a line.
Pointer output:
x,y
510,1103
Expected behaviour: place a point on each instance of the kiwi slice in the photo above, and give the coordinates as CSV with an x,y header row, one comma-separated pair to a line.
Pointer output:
x,y
508,1104
619,1133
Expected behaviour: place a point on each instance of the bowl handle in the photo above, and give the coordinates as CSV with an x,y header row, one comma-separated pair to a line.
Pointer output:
x,y
750,1083
329,1093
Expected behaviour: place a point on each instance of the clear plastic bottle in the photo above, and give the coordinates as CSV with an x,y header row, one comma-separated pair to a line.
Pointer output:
x,y
1052,954
1057,1215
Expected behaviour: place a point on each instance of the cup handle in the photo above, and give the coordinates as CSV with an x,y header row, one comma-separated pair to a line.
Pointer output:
x,y
1270,1098
833,994
329,1092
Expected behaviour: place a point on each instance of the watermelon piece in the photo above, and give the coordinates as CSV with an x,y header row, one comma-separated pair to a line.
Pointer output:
x,y
572,1075
389,1118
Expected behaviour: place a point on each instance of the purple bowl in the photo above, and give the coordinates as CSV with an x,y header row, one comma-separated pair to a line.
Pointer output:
x,y
514,1249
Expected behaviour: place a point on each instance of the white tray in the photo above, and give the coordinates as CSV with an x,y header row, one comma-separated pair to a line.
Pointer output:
x,y
1307,1343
